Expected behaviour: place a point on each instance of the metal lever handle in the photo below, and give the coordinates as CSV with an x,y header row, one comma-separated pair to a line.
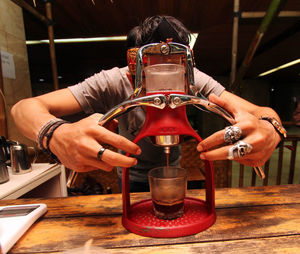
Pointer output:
x,y
178,100
157,101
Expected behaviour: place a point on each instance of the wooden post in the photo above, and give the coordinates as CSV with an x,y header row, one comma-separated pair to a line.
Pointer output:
x,y
30,9
49,22
3,121
51,44
236,14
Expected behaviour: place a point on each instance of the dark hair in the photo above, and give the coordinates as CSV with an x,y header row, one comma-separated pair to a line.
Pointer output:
x,y
147,31
133,37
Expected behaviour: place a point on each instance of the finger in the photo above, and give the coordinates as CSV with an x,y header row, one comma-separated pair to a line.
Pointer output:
x,y
112,138
216,154
117,141
249,162
84,163
109,160
218,138
213,140
222,154
252,159
103,166
116,159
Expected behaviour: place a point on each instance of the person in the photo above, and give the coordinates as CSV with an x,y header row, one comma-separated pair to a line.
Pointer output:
x,y
79,145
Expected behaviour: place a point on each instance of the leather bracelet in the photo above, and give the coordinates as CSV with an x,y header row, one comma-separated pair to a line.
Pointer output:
x,y
48,135
277,126
43,130
47,131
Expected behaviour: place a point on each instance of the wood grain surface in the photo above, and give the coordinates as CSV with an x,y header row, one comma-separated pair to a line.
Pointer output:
x,y
248,219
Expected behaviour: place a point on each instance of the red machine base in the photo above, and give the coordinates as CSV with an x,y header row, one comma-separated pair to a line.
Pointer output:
x,y
196,218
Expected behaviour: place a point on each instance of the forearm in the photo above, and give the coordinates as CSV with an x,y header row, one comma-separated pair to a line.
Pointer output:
x,y
32,113
76,144
29,116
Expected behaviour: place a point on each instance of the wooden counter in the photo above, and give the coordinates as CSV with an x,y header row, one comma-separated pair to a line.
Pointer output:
x,y
249,220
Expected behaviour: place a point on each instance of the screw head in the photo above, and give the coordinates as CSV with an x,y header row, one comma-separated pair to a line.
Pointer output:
x,y
177,100
165,49
157,101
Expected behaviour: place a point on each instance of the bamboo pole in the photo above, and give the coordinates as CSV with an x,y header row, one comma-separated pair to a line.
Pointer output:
x,y
3,120
261,14
272,12
52,45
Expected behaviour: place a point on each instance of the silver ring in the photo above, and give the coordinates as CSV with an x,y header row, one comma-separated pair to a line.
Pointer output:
x,y
232,134
238,150
100,153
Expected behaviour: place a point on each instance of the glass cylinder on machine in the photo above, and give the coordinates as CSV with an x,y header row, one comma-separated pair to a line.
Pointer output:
x,y
165,77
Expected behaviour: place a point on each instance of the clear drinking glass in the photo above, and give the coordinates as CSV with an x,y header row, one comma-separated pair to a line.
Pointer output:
x,y
168,187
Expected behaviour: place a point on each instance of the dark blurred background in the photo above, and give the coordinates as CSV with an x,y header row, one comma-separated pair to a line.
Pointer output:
x,y
212,19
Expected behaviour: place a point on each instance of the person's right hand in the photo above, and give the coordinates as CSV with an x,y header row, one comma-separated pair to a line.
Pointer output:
x,y
77,144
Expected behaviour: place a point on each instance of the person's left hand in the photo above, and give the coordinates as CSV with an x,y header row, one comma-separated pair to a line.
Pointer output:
x,y
259,134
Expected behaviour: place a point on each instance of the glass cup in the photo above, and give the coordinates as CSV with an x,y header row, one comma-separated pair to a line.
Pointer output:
x,y
165,77
168,188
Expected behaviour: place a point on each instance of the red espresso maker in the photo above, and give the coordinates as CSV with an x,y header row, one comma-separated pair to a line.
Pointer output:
x,y
164,82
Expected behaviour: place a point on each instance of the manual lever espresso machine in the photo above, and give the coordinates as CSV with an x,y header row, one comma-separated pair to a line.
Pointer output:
x,y
164,85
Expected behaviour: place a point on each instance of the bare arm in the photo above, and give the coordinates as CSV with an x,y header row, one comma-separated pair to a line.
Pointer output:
x,y
75,144
260,134
30,114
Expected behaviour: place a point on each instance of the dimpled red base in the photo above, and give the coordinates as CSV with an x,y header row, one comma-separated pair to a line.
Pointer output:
x,y
195,219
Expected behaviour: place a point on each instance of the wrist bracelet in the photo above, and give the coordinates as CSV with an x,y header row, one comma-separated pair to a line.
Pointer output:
x,y
49,136
47,131
43,130
277,126
51,131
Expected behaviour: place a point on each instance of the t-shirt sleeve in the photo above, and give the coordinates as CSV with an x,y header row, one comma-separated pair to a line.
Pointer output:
x,y
102,91
207,84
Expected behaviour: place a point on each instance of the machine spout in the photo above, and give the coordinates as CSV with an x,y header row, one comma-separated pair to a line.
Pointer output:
x,y
167,149
167,140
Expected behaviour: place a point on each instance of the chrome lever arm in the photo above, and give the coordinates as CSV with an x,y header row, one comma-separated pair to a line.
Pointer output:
x,y
157,101
178,100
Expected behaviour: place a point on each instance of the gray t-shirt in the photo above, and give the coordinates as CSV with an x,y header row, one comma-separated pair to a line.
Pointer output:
x,y
108,88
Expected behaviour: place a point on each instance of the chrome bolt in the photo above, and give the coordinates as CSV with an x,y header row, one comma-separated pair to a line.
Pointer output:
x,y
165,49
157,101
177,100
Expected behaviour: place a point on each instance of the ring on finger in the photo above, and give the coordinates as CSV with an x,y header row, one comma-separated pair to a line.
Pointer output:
x,y
100,153
238,150
232,134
